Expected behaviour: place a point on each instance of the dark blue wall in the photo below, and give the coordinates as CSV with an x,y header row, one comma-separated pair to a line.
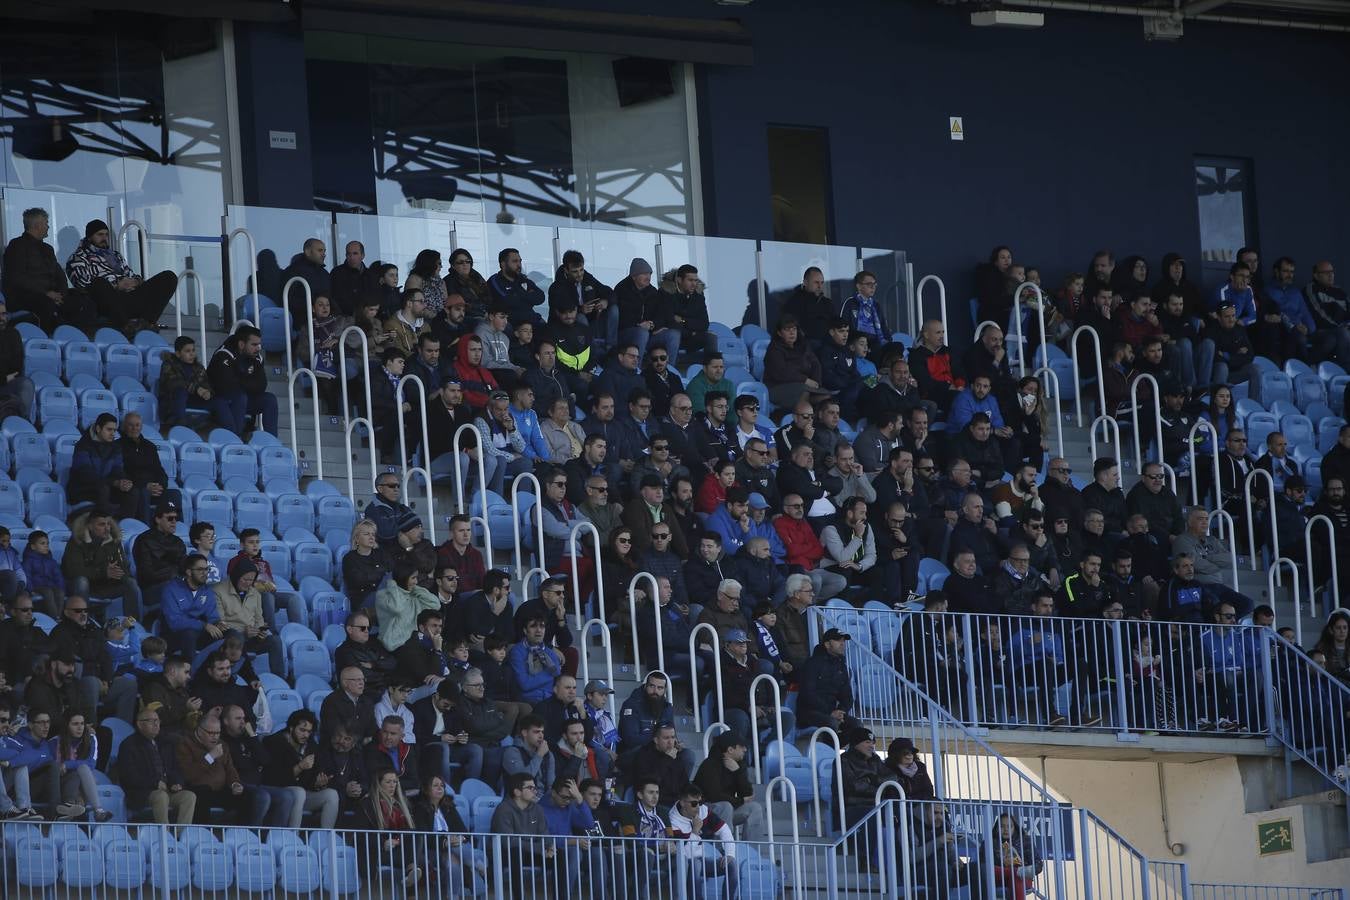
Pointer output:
x,y
1079,135
273,96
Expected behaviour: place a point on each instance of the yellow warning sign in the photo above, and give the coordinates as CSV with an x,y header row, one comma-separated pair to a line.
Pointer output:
x,y
956,128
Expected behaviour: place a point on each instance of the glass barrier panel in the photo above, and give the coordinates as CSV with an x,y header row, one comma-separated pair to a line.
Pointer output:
x,y
535,244
173,256
892,287
67,215
609,252
727,268
394,239
278,236
782,265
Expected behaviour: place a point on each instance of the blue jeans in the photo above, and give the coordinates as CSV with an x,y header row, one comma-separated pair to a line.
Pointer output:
x,y
265,798
1204,364
1181,359
468,757
667,337
232,412
1223,375
18,777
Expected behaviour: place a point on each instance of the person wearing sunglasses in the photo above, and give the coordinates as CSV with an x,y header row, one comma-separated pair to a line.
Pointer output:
x,y
662,381
13,777
386,508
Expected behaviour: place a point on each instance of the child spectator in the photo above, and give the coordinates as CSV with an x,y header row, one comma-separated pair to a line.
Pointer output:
x,y
154,649
44,574
499,681
182,380
12,575
766,639
457,657
121,647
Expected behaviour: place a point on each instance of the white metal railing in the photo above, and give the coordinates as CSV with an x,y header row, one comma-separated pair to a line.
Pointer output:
x,y
1109,426
656,614
203,352
228,313
1078,371
754,720
465,506
710,733
789,793
905,874
350,424
521,572
1059,417
1251,521
584,525
1335,563
1273,579
290,324
142,242
942,302
294,376
1195,473
717,673
812,742
1157,418
410,470
1017,321
600,626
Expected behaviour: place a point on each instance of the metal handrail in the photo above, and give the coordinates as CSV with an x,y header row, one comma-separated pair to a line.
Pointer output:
x,y
1214,445
791,792
295,425
183,277
754,720
142,242
609,659
1171,474
906,873
350,424
253,266
1059,418
838,776
585,525
1221,516
1157,418
1105,420
1078,372
1251,522
1335,565
709,733
309,321
1017,320
717,673
1272,578
942,301
633,616
408,470
482,491
525,576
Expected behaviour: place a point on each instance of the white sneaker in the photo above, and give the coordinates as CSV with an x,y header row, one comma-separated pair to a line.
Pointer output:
x,y
1342,773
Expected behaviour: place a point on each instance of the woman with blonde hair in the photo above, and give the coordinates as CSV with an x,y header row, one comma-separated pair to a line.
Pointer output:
x,y
385,810
365,565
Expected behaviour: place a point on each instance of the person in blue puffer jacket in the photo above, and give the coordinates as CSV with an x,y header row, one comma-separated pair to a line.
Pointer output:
x,y
191,616
13,772
37,754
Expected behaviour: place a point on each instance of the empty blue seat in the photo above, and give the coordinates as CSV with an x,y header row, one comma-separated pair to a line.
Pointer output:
x,y
214,507
299,869
123,864
122,360
46,499
1298,430
294,511
11,500
284,702
312,559
1272,386
278,555
82,864
83,357
335,513
57,403
1259,426
252,509
274,332
94,403
734,352
255,868
1328,432
277,462
142,402
212,867
238,461
196,458
36,862
154,363
42,356
311,658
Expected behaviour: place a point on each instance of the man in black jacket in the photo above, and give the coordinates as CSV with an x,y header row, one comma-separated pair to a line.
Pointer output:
x,y
661,761
214,683
147,770
16,388
348,706
826,694
21,641
358,651
690,314
239,382
644,311
32,279
1105,495
562,707
443,734
812,307
573,286
289,762
347,281
307,265
84,639
422,658
251,760
142,466
797,475
727,789
839,369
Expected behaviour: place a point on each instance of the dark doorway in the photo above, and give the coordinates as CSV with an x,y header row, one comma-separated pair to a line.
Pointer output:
x,y
799,184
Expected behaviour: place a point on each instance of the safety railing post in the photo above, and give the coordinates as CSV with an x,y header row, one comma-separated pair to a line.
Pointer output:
x,y
942,302
142,242
1085,855
811,743
1251,521
1108,425
1078,371
521,572
1123,733
761,290
183,278
1272,579
1214,445
253,267
1059,417
790,790
709,733
656,612
1157,418
754,720
409,470
1335,565
1017,321
890,878
968,666
290,324
717,672
460,487
1222,516
576,576
609,657
350,424
291,379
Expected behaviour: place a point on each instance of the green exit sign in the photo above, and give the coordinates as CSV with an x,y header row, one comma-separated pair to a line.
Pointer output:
x,y
1274,837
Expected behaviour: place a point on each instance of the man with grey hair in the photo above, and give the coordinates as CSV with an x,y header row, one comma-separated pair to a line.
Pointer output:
x,y
725,612
1212,558
32,280
795,646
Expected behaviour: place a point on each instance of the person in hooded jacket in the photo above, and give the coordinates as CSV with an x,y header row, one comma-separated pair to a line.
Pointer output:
x,y
475,380
1172,280
645,313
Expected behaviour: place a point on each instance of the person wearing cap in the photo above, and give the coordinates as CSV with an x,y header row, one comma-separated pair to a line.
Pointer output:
x,y
906,767
510,288
724,778
863,772
500,442
414,547
603,732
645,313
1233,354
117,291
191,616
825,695
739,669
96,470
241,611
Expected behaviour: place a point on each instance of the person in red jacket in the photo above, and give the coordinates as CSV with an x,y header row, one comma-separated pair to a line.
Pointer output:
x,y
1137,321
476,381
804,550
931,365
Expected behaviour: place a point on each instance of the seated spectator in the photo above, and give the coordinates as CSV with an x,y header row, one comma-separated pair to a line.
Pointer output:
x,y
1286,522
551,606
1233,353
967,589
645,312
290,765
488,613
825,695
760,577
712,436
850,543
119,294
208,770
369,656
272,805
414,549
1330,310
1038,650
147,770
386,405
42,574
570,337
182,382
598,509
16,388
308,266
142,466
501,445
339,764
389,752
32,280
1083,594
563,436
167,693
1153,499
96,470
646,709
574,283
574,757
1277,462
492,331
239,384
77,636
514,290
519,816
534,663
1105,495
460,866
191,615
487,722
240,606
676,626
398,603
408,324
384,809
906,767
690,310
663,759
712,378
422,658
662,382
529,752
863,773
350,707
475,380
792,636
863,311
791,369
216,686
803,550
982,450
76,750
931,364
978,534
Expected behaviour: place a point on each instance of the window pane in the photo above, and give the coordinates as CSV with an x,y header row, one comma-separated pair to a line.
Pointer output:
x,y
1221,189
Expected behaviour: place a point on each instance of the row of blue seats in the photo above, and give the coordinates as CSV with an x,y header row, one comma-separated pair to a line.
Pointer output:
x,y
70,354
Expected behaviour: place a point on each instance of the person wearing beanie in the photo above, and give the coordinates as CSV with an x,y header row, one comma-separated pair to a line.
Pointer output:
x,y
863,772
240,605
118,292
645,313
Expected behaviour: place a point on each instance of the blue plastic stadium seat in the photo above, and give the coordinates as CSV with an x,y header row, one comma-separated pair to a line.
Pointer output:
x,y
299,869
142,402
42,356
93,403
335,513
278,554
237,460
1308,389
252,509
212,867
11,500
294,511
123,864
255,869
1259,426
83,357
273,327
1272,386
46,499
1298,430
122,360
1328,432
36,862
311,658
734,352
57,403
284,702
313,559
277,462
196,458
215,507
